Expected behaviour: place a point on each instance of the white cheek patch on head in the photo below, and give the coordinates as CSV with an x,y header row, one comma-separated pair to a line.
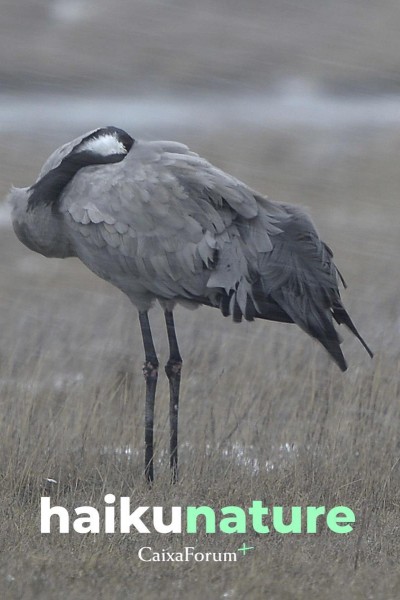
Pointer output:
x,y
104,145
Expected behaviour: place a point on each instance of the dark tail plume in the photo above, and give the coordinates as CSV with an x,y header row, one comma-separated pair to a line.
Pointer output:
x,y
341,316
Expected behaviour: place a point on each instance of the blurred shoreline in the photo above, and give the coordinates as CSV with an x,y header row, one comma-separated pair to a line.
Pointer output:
x,y
293,103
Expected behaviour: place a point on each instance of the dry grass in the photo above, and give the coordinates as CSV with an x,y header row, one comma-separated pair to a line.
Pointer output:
x,y
72,397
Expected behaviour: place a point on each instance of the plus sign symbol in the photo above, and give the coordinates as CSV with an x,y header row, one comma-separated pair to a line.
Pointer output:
x,y
245,549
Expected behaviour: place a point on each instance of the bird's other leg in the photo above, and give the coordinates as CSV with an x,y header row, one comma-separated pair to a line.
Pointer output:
x,y
173,370
150,372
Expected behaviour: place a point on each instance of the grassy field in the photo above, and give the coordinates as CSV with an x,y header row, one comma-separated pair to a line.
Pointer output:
x,y
264,415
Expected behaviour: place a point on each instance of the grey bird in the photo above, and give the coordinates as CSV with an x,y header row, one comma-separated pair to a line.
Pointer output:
x,y
161,223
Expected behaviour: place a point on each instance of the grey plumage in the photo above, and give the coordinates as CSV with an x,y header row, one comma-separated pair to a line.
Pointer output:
x,y
161,223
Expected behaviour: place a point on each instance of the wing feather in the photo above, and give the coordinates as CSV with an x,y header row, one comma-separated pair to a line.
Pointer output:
x,y
170,214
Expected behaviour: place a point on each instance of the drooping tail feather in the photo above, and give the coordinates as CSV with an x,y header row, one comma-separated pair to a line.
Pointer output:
x,y
341,316
327,335
313,319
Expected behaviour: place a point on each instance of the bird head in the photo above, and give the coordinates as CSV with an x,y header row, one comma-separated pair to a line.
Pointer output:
x,y
106,144
99,147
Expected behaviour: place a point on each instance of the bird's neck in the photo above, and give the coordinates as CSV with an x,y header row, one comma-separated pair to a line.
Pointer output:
x,y
48,189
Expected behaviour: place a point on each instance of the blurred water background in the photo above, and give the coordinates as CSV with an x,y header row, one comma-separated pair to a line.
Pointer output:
x,y
166,64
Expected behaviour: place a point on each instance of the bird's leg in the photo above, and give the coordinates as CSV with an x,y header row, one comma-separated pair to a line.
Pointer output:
x,y
150,372
173,370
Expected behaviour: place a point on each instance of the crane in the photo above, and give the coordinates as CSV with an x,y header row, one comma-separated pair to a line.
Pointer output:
x,y
163,224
